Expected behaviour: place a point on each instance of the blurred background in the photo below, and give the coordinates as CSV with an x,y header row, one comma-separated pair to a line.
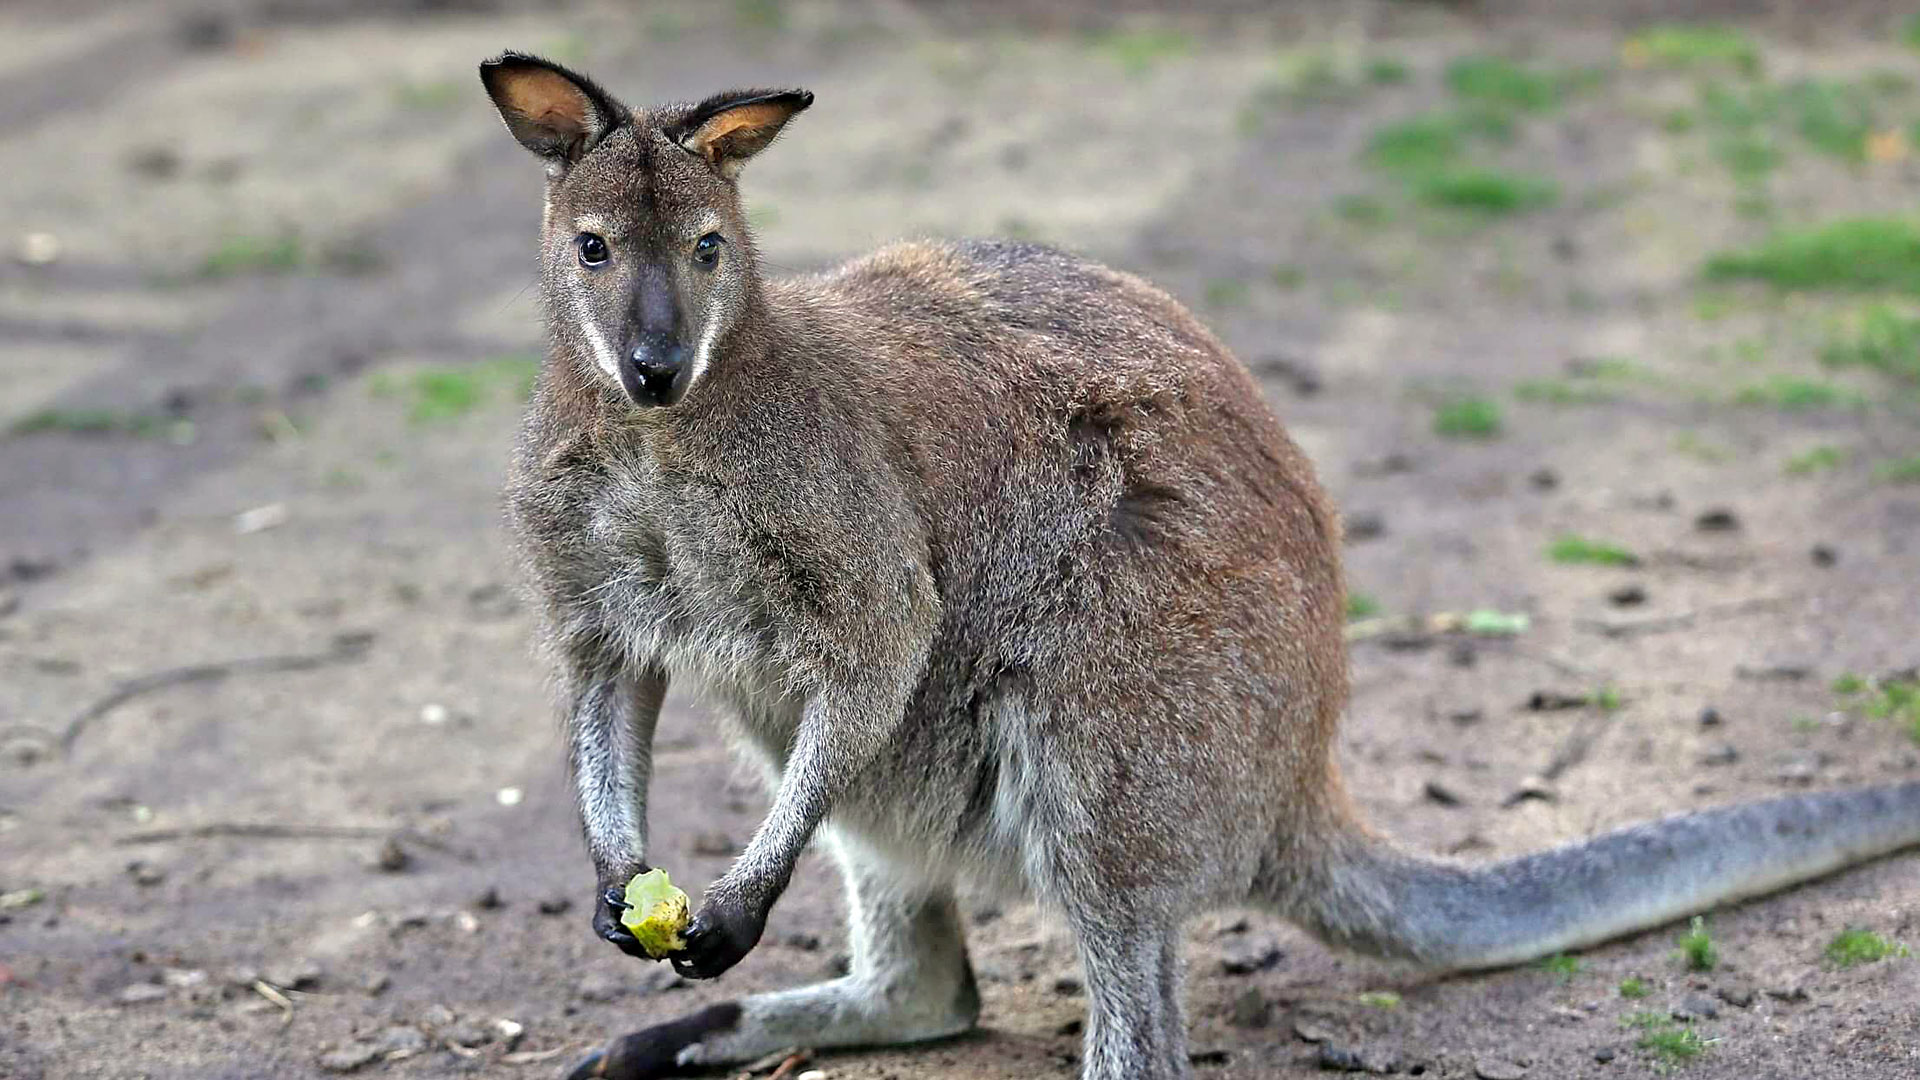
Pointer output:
x,y
1599,321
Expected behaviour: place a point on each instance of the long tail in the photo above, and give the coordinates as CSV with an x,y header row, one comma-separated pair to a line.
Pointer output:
x,y
1364,892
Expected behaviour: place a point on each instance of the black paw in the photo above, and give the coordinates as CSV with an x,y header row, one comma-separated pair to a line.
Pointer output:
x,y
654,1052
606,921
723,931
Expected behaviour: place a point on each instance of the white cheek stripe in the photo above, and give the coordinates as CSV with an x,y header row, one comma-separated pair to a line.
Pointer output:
x,y
705,350
602,352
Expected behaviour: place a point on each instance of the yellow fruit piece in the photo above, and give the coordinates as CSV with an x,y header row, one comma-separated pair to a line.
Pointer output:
x,y
656,914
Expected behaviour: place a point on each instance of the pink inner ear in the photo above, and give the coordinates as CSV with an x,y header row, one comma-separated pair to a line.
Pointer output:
x,y
558,116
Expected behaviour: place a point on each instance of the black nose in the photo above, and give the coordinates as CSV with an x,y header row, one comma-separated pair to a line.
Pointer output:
x,y
655,371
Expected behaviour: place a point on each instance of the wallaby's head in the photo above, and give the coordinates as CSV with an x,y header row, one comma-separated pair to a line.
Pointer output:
x,y
646,260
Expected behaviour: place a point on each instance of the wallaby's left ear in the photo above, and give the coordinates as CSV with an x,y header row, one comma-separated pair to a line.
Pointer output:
x,y
728,128
552,111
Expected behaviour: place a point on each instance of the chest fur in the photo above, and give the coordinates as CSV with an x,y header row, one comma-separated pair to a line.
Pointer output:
x,y
653,566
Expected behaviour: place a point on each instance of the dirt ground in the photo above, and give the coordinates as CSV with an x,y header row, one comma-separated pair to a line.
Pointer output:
x,y
266,309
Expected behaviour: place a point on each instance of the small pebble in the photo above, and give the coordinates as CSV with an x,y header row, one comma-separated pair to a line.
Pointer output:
x,y
376,984
1335,1058
1437,792
303,975
812,1074
1068,986
1250,1010
714,844
349,1058
38,249
1697,1007
509,796
1531,788
1739,995
1628,596
434,713
392,857
1710,717
1365,526
1309,1031
1823,555
1247,957
1725,754
1603,1055
401,1041
1719,519
145,873
489,899
1544,479
139,994
555,905
1072,1027
1496,1069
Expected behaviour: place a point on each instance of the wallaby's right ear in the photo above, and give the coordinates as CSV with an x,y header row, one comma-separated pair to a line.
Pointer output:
x,y
552,111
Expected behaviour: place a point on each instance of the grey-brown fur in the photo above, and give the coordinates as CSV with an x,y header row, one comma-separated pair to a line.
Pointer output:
x,y
1006,575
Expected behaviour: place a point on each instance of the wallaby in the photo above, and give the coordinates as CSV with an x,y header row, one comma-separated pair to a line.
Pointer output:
x,y
1006,575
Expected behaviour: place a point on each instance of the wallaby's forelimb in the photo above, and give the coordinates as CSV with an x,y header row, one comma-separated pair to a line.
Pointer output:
x,y
610,725
908,981
1373,896
837,738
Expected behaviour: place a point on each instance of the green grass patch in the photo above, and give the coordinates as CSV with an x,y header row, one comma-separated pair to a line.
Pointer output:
x,y
1817,460
1896,699
1561,966
1379,999
1139,52
1834,117
1692,46
1564,392
1501,82
1361,606
1491,192
1668,1041
448,393
1793,393
1387,71
1366,211
1607,699
1692,445
1697,950
1855,946
760,15
1910,32
1854,253
238,255
434,96
98,423
1904,470
1434,140
1633,988
1750,156
1881,338
1225,293
1571,549
1467,418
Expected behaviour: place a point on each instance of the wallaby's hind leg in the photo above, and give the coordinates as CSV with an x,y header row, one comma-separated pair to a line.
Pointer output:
x,y
909,982
1130,950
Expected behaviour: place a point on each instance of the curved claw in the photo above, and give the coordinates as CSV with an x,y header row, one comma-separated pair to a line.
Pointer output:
x,y
653,1053
719,938
607,925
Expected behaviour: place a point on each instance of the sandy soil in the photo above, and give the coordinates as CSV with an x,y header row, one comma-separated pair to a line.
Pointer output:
x,y
276,219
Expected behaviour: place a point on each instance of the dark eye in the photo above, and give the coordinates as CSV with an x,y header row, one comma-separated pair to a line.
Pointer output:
x,y
593,250
707,251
